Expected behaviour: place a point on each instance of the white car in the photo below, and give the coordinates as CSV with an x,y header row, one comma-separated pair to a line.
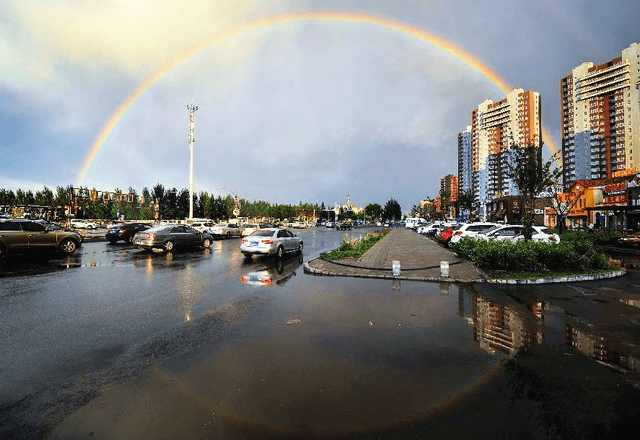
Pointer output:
x,y
541,234
227,230
270,241
516,233
83,224
431,229
202,226
468,230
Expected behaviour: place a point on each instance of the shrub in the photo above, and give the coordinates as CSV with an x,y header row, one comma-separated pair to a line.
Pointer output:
x,y
528,256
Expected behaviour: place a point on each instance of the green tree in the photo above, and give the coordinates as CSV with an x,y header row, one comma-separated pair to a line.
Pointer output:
x,y
7,197
63,196
373,210
445,198
392,210
531,175
466,199
44,197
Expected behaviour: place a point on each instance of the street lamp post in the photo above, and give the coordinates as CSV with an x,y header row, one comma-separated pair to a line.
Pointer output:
x,y
192,125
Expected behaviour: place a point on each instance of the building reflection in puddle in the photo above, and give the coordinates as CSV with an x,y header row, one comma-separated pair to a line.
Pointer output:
x,y
600,348
499,327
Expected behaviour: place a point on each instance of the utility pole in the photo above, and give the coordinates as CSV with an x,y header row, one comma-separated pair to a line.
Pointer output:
x,y
192,126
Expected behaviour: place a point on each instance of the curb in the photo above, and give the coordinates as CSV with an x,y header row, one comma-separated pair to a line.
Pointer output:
x,y
566,279
322,272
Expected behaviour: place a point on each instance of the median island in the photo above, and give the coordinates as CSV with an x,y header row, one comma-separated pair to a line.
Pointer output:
x,y
575,258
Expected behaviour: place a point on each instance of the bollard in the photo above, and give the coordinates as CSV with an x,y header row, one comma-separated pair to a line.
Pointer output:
x,y
396,268
444,269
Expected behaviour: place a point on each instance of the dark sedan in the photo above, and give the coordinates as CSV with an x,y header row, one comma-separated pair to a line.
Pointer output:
x,y
125,231
170,237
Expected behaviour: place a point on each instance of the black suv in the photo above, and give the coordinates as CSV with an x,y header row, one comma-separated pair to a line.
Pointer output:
x,y
125,231
22,235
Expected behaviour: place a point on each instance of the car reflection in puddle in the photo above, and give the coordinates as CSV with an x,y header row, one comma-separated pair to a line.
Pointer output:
x,y
37,262
268,273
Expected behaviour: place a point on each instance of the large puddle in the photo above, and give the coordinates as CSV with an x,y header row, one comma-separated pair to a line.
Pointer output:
x,y
335,357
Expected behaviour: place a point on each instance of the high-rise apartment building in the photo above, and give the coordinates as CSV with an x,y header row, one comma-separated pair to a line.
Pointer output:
x,y
465,180
448,195
496,127
449,186
600,107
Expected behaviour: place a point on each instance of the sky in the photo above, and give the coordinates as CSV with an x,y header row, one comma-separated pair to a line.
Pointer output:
x,y
291,108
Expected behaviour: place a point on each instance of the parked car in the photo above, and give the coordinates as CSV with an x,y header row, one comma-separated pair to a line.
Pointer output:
x,y
250,228
124,231
83,224
516,233
469,230
22,234
202,225
446,235
330,224
271,241
344,225
501,232
541,234
226,230
432,229
172,236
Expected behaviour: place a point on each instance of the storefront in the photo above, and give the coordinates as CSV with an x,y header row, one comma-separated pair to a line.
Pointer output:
x,y
614,207
633,209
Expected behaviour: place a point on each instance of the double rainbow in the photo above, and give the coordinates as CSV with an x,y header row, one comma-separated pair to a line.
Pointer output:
x,y
384,22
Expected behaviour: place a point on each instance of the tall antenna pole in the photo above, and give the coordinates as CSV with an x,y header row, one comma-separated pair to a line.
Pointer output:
x,y
192,126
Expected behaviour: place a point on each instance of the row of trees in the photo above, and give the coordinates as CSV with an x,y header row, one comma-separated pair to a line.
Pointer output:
x,y
45,197
171,203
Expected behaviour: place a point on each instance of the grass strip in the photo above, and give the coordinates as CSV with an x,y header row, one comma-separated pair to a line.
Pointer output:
x,y
356,248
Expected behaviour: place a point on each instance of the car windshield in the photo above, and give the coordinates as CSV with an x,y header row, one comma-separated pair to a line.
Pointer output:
x,y
263,233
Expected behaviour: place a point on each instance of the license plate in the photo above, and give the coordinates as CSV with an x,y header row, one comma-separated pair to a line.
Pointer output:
x,y
253,243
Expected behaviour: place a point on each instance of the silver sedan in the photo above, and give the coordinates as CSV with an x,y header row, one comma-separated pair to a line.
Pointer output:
x,y
270,241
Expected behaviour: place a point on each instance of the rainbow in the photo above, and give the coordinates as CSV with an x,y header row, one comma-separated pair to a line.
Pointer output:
x,y
384,22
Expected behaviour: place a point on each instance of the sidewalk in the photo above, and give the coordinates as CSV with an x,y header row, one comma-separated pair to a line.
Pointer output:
x,y
419,257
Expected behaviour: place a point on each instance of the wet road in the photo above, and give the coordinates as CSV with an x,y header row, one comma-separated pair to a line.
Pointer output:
x,y
116,342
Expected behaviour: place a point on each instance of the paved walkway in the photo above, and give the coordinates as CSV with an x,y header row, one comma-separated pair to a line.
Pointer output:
x,y
419,258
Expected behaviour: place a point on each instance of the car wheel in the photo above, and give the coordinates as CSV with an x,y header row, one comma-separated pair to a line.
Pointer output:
x,y
113,241
300,246
130,239
68,246
228,234
280,252
206,243
168,246
247,255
